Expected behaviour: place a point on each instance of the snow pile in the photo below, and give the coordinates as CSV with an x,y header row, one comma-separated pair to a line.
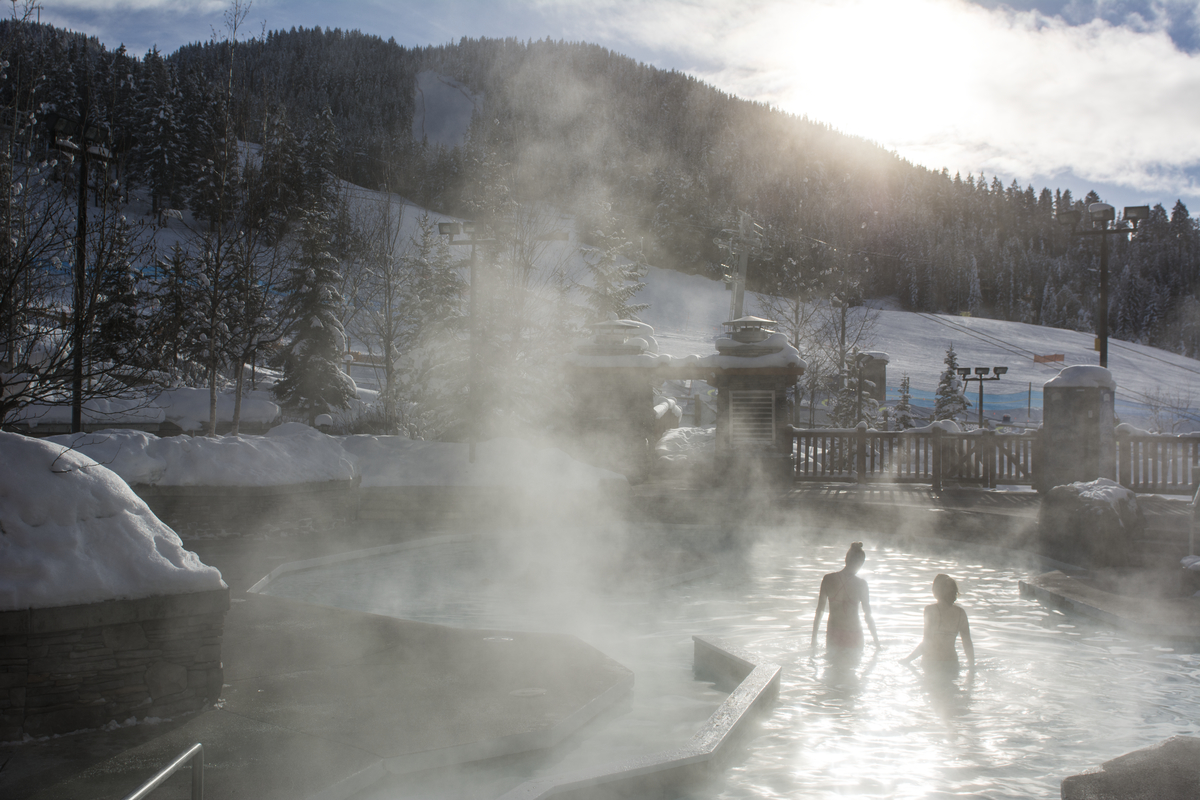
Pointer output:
x,y
394,461
188,408
97,411
288,454
73,532
686,445
1107,492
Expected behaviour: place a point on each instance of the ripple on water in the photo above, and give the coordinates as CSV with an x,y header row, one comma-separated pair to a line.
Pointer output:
x,y
1053,694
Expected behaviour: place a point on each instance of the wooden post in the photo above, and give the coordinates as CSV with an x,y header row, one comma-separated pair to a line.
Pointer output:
x,y
790,451
989,458
861,455
936,439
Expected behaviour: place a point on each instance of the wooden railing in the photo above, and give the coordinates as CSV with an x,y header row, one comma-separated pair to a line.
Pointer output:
x,y
867,456
1145,463
1158,463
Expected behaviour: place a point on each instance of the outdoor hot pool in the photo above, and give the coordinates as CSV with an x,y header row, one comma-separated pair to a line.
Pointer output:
x,y
1052,694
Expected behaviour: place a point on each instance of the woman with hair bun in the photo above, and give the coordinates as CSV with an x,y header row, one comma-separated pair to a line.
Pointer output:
x,y
845,591
944,622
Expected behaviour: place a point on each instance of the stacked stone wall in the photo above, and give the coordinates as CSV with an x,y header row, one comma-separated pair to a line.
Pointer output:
x,y
77,667
214,511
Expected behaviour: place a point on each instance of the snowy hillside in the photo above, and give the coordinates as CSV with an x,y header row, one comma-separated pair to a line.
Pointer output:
x,y
687,311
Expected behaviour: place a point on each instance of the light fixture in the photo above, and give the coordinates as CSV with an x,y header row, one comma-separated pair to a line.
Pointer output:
x,y
1102,213
449,228
1071,217
1000,370
1136,214
982,370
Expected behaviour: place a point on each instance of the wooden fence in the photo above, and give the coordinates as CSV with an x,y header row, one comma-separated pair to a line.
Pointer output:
x,y
1156,463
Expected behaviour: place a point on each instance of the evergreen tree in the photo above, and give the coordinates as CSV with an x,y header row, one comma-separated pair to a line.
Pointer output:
x,y
319,157
313,382
950,401
902,414
617,271
119,328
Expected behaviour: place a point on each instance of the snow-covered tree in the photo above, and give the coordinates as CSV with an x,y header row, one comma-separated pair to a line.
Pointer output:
x,y
902,414
617,268
950,401
313,382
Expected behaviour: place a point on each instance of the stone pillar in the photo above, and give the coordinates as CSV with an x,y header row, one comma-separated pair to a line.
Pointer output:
x,y
1078,441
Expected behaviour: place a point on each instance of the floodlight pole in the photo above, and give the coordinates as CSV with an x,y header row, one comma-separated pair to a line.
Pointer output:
x,y
451,229
981,375
474,398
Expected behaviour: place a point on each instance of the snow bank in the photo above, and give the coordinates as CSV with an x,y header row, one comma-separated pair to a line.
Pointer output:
x,y
289,454
74,532
188,408
681,445
99,411
394,461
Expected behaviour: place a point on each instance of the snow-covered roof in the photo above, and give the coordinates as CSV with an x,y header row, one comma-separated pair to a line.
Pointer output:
x,y
74,533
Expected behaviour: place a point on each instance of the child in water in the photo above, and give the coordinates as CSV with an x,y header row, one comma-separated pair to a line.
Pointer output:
x,y
845,591
944,622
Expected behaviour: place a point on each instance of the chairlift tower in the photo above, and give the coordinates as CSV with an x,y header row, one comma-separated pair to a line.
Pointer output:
x,y
745,240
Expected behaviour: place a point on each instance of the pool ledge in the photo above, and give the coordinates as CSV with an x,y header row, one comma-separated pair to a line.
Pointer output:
x,y
1177,619
756,690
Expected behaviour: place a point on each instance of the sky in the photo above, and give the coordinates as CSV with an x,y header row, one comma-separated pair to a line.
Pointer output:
x,y
1075,94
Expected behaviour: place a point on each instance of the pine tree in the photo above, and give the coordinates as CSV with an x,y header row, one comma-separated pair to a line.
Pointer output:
x,y
950,400
319,157
313,382
617,271
902,414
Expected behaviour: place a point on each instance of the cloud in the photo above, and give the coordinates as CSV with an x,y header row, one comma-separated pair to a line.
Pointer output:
x,y
947,82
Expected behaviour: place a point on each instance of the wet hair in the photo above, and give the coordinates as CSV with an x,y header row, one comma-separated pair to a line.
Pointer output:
x,y
944,588
855,554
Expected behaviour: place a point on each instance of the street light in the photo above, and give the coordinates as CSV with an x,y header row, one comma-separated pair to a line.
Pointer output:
x,y
859,360
452,229
1100,216
981,375
467,228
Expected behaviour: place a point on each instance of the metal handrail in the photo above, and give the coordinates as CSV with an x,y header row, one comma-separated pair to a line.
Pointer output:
x,y
195,754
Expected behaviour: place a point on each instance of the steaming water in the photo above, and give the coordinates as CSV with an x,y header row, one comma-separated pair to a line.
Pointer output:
x,y
1053,695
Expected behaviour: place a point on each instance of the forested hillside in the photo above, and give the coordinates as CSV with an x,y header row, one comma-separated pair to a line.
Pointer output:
x,y
240,144
673,160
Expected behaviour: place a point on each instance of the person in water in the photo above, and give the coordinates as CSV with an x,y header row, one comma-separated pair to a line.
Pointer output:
x,y
845,591
944,622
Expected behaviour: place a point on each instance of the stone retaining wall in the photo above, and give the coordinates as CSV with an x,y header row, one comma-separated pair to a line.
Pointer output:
x,y
74,667
203,511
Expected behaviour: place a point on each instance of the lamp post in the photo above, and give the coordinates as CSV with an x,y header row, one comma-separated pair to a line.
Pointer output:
x,y
1102,218
981,375
452,229
467,228
859,360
